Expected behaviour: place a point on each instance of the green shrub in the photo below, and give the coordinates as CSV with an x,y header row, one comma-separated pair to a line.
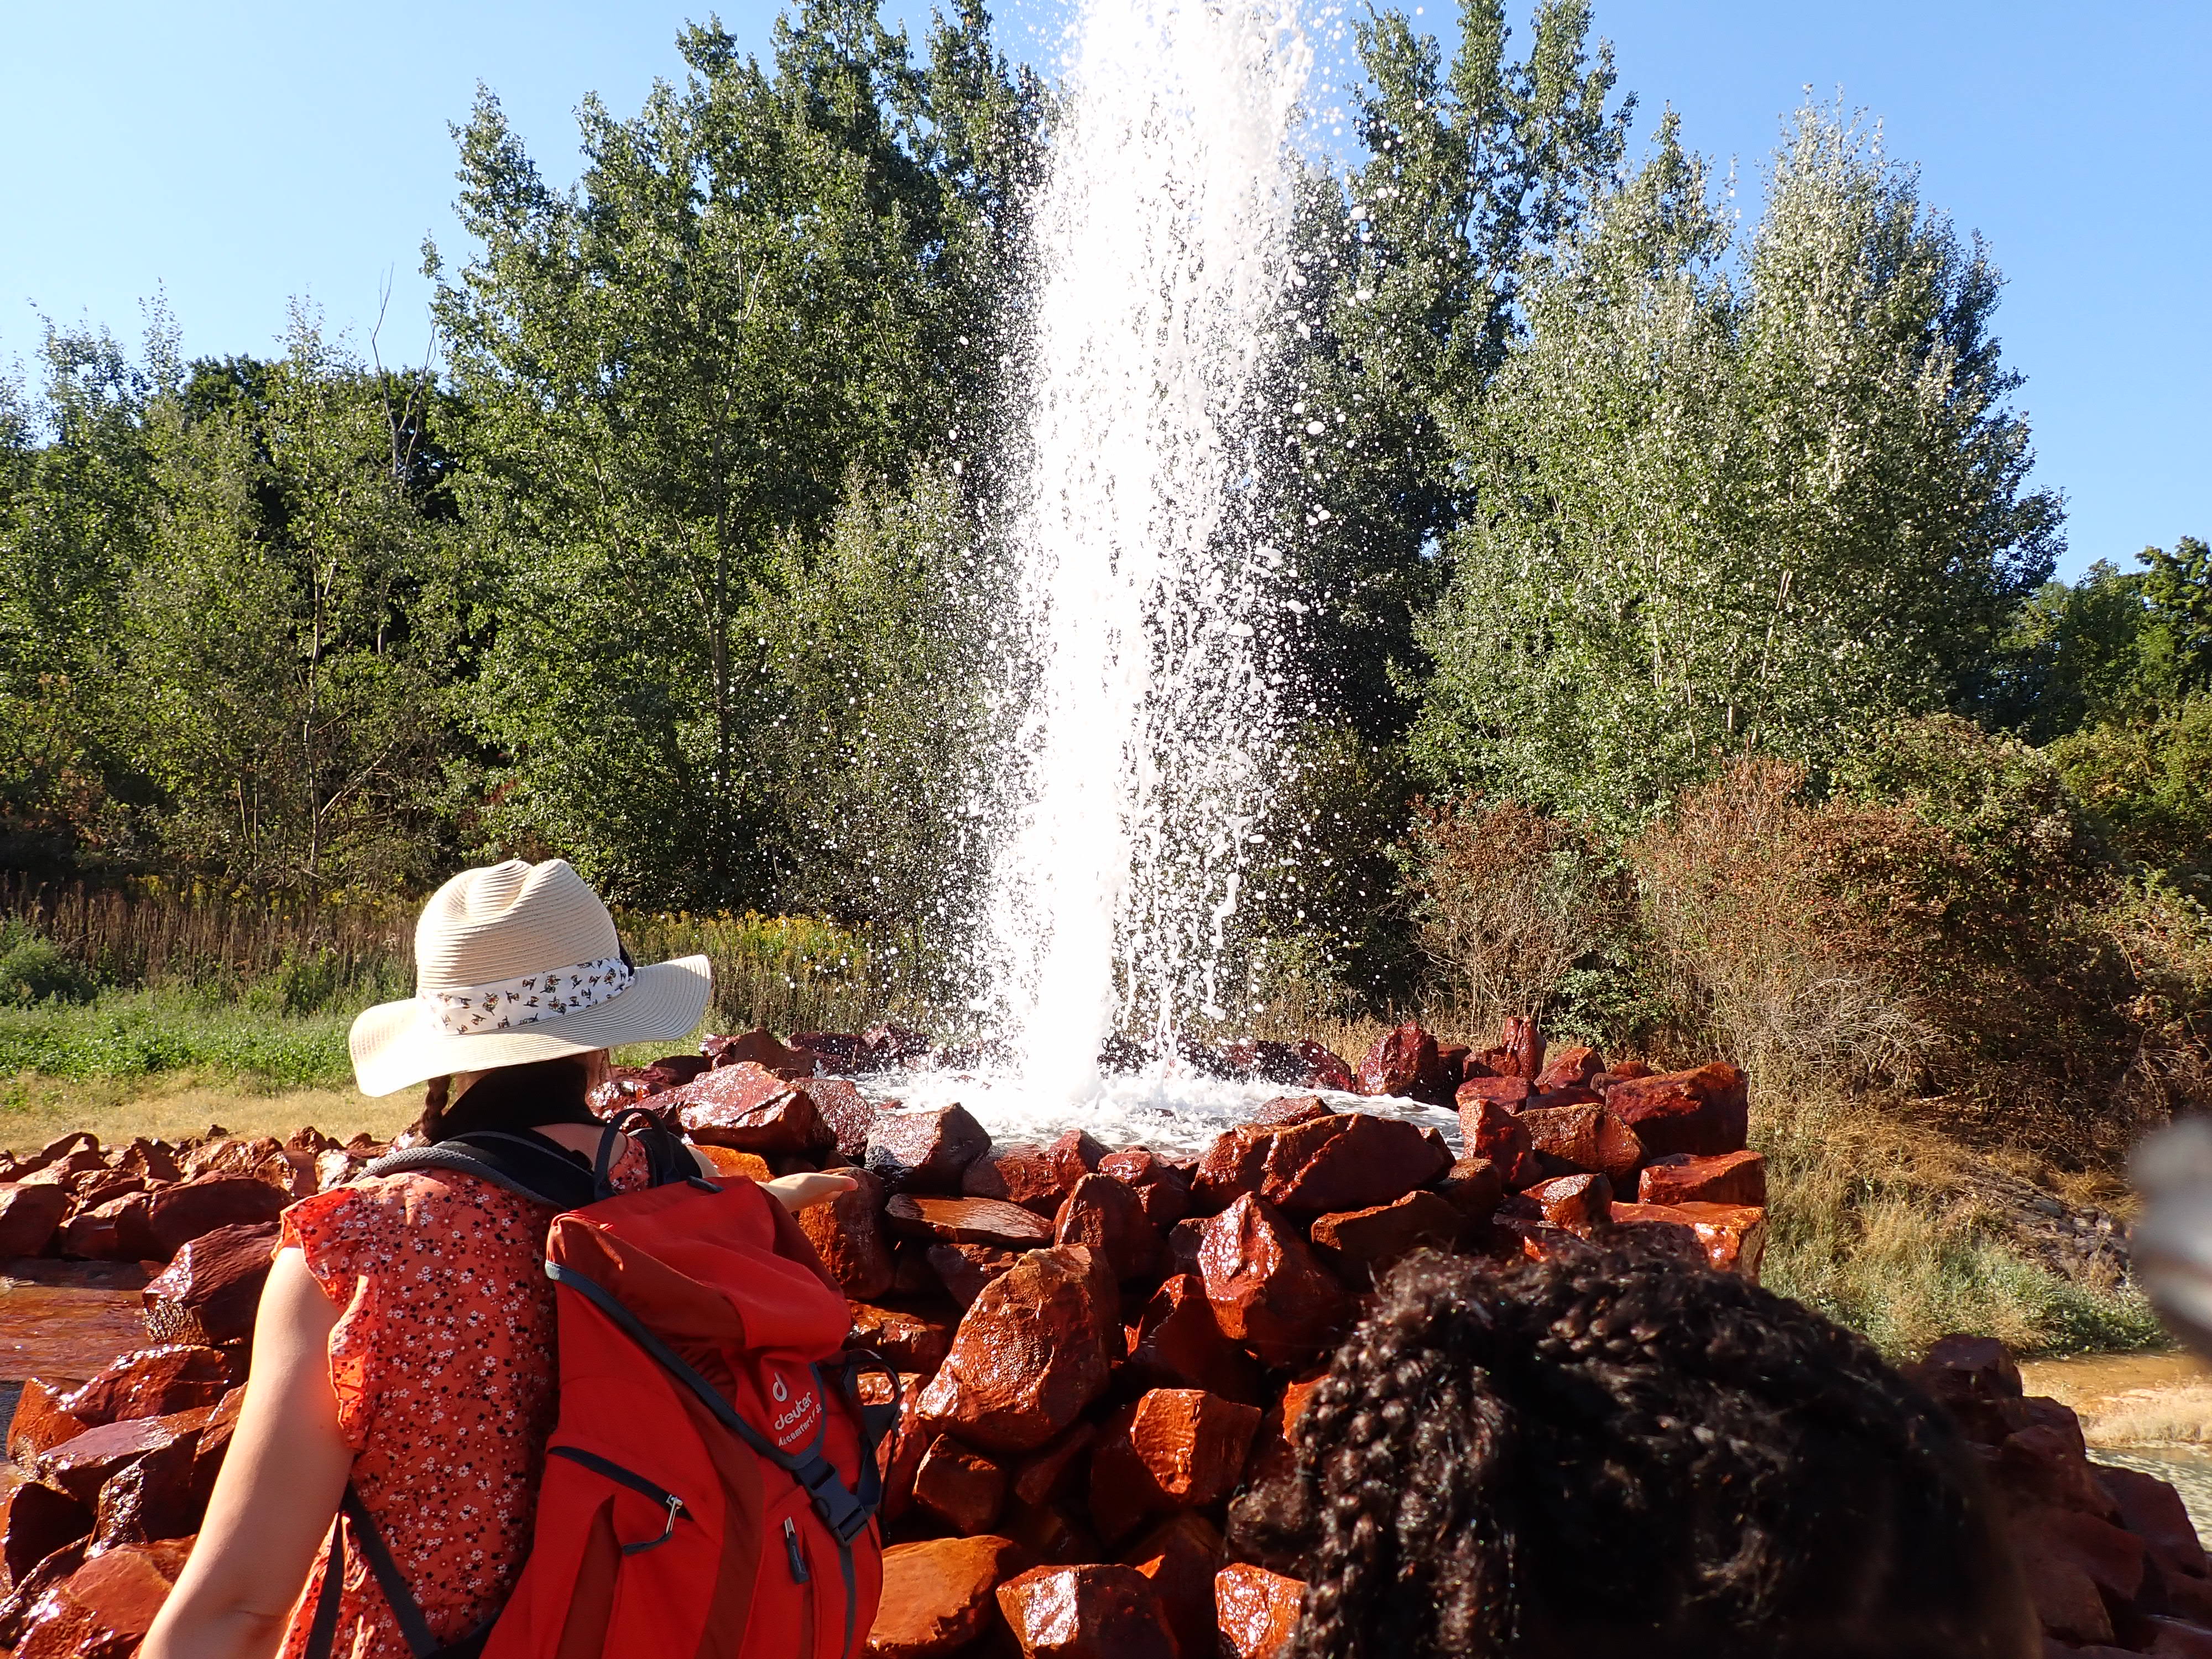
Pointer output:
x,y
32,970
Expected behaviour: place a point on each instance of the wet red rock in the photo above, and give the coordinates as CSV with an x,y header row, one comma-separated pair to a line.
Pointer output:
x,y
151,1383
1686,1178
1393,1066
1346,1161
964,1269
1583,1140
1566,1067
113,1229
1075,1154
1472,1186
1018,1172
1029,1355
1359,1243
1179,1345
845,1111
925,1149
1173,1448
1050,1472
178,1215
966,1221
847,1234
1521,1046
1102,1214
937,1595
2153,1511
1257,1610
1272,1455
35,1521
961,1488
1268,1290
39,1422
1701,1111
104,1609
749,1108
29,1213
1094,1611
1324,1070
1577,1202
1163,1190
760,1047
1180,1556
1489,1130
1734,1234
906,1341
729,1161
81,1465
211,1290
1291,1109
1511,1092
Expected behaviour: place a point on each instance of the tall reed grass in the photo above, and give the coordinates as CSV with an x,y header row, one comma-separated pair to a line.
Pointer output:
x,y
290,959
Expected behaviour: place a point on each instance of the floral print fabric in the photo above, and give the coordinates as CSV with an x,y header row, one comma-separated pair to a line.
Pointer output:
x,y
442,1360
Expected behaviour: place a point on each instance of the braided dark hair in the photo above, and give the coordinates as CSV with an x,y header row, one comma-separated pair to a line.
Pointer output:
x,y
1619,1452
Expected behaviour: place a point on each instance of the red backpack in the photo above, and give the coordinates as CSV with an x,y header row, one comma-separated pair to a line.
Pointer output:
x,y
711,1485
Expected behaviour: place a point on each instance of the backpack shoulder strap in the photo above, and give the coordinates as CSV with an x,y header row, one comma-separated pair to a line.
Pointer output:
x,y
527,1164
353,1524
666,1157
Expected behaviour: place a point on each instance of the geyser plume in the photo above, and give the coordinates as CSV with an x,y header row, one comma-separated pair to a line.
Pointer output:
x,y
1161,240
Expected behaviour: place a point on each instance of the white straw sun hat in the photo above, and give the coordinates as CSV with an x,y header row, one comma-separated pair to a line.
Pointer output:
x,y
517,962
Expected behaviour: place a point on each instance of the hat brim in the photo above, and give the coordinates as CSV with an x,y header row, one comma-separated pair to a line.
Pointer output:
x,y
397,1043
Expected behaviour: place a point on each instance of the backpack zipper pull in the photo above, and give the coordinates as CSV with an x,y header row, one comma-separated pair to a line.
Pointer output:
x,y
799,1575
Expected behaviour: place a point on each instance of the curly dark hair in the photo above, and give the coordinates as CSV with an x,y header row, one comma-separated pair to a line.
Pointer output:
x,y
1618,1452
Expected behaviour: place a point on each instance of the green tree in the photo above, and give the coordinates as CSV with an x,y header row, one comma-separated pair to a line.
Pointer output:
x,y
1732,511
284,639
765,279
2177,590
1408,295
876,662
76,503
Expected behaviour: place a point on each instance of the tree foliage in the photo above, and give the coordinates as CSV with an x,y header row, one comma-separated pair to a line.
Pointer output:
x,y
1726,509
767,278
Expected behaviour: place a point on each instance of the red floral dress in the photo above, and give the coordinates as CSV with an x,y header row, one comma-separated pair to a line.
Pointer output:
x,y
443,1363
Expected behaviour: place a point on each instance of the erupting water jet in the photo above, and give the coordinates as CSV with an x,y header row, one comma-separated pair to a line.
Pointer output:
x,y
1136,783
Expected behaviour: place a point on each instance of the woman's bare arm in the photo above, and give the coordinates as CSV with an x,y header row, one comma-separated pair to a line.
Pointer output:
x,y
278,1491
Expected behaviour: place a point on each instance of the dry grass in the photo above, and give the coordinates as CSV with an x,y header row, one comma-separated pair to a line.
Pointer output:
x,y
34,1109
1890,1227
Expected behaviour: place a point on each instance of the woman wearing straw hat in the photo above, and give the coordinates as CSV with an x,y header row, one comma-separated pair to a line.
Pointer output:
x,y
405,1338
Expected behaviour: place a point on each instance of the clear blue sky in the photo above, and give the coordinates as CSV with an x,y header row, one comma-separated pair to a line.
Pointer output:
x,y
235,153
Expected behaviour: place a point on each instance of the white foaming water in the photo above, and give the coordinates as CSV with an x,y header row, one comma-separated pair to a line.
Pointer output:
x,y
1134,789
1177,1114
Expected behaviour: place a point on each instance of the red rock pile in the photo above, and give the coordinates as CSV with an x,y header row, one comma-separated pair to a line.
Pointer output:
x,y
1096,1348
109,1477
147,1201
2110,1556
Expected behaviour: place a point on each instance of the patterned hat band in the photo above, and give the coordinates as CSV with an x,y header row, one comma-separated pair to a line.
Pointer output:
x,y
506,1003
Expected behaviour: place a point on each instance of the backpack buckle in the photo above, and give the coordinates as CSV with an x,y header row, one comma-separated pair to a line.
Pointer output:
x,y
840,1511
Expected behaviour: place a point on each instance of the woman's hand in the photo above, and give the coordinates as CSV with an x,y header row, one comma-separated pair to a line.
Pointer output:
x,y
803,1192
